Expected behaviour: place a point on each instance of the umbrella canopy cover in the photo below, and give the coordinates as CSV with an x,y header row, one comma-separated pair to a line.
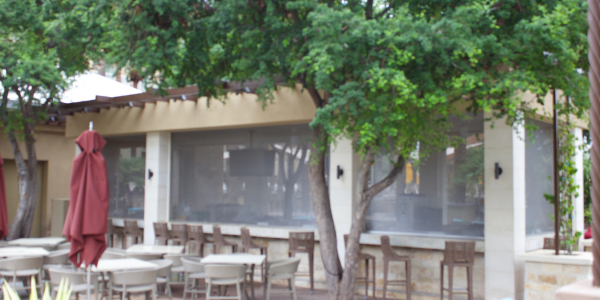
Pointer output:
x,y
3,209
86,221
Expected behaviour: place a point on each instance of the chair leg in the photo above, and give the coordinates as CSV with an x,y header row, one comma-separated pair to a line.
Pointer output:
x,y
239,292
385,276
450,279
185,285
441,281
374,278
208,291
268,289
366,278
293,287
470,282
408,291
311,271
154,288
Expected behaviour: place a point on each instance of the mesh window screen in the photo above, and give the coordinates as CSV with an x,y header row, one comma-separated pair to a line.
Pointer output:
x,y
443,195
125,162
538,179
242,176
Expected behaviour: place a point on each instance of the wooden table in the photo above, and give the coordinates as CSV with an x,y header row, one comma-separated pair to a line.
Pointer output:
x,y
237,259
123,264
157,249
48,242
23,251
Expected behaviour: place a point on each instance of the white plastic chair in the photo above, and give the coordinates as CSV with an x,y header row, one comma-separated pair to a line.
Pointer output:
x,y
76,279
194,271
56,259
224,275
163,273
132,282
282,269
22,267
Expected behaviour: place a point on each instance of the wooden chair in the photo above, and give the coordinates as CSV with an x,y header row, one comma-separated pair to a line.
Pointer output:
x,y
197,239
179,234
161,233
111,233
549,243
134,232
220,241
366,258
248,244
390,256
457,254
304,242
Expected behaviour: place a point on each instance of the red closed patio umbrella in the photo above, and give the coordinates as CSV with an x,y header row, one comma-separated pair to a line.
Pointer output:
x,y
86,221
3,210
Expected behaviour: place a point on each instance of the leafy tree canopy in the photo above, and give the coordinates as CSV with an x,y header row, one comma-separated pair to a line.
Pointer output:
x,y
383,68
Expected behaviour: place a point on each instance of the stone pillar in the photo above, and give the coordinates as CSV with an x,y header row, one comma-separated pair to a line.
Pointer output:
x,y
156,198
504,211
341,191
578,211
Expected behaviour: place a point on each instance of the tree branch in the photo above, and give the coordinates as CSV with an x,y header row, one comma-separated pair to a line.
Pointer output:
x,y
388,180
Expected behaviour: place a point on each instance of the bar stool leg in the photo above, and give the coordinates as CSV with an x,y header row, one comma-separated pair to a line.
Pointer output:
x,y
374,281
441,281
470,282
408,292
366,278
450,279
385,277
311,270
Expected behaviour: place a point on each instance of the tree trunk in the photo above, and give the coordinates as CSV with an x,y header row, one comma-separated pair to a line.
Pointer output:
x,y
324,217
28,186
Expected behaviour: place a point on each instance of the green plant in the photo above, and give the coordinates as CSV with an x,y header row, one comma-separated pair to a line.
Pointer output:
x,y
566,186
64,291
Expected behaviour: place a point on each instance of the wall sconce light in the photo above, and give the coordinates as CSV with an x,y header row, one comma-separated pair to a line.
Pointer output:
x,y
340,172
150,174
497,170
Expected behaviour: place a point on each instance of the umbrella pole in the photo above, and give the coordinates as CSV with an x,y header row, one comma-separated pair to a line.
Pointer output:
x,y
89,277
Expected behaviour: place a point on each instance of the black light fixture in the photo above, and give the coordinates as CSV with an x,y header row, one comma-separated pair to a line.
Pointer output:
x,y
340,172
497,170
150,174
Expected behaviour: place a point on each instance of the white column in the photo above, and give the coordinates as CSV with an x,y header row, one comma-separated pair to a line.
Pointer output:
x,y
341,191
504,211
156,198
578,207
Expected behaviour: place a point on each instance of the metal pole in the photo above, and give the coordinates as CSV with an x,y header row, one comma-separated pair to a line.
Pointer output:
x,y
594,77
89,282
556,197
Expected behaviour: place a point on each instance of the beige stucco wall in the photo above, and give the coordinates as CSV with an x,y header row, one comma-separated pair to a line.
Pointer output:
x,y
290,107
56,152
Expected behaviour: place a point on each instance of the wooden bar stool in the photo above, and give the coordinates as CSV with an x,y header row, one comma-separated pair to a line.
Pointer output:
x,y
197,238
366,258
179,234
304,242
457,254
248,244
112,232
161,233
390,256
134,232
219,241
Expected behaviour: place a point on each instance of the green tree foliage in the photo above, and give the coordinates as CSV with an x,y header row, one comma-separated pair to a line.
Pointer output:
x,y
42,43
386,74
